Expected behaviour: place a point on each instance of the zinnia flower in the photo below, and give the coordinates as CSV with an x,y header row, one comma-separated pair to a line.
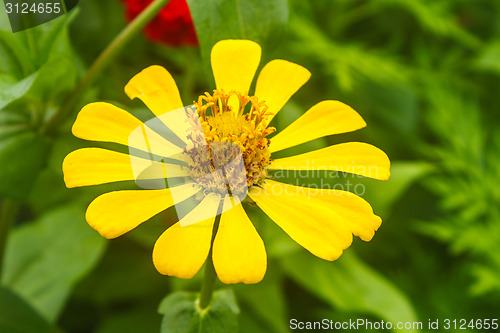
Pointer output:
x,y
323,221
172,26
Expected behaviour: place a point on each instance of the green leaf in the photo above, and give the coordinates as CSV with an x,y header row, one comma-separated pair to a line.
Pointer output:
x,y
55,39
14,57
259,20
182,314
22,156
52,82
16,90
45,259
349,285
17,316
42,62
11,123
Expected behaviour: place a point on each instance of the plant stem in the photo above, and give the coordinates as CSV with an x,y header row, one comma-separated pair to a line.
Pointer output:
x,y
208,284
103,60
8,214
209,275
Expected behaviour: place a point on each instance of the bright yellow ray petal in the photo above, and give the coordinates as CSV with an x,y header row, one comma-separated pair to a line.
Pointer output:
x,y
355,210
207,208
145,170
310,223
104,122
234,63
239,254
181,251
353,157
278,81
108,123
147,140
94,166
156,88
323,119
115,213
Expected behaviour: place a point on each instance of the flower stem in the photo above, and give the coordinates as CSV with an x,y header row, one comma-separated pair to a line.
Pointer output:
x,y
209,275
103,60
208,284
8,214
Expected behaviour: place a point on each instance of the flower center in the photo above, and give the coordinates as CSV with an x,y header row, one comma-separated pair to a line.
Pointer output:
x,y
240,119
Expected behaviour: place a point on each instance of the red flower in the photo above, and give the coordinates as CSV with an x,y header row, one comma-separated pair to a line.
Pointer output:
x,y
172,26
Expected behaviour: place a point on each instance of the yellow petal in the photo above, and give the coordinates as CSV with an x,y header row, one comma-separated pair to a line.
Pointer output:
x,y
147,140
155,175
353,209
156,88
354,157
206,209
323,119
278,81
115,213
181,251
234,63
104,122
239,254
94,166
108,123
309,222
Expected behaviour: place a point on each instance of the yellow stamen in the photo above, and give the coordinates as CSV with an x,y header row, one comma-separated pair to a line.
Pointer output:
x,y
247,129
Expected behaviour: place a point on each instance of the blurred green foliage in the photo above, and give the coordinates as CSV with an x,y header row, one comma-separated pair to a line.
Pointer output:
x,y
423,73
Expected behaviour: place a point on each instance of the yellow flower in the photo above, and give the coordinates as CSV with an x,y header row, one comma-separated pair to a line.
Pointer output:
x,y
323,221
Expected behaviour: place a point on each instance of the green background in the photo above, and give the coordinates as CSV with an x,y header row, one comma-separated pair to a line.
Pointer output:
x,y
424,74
